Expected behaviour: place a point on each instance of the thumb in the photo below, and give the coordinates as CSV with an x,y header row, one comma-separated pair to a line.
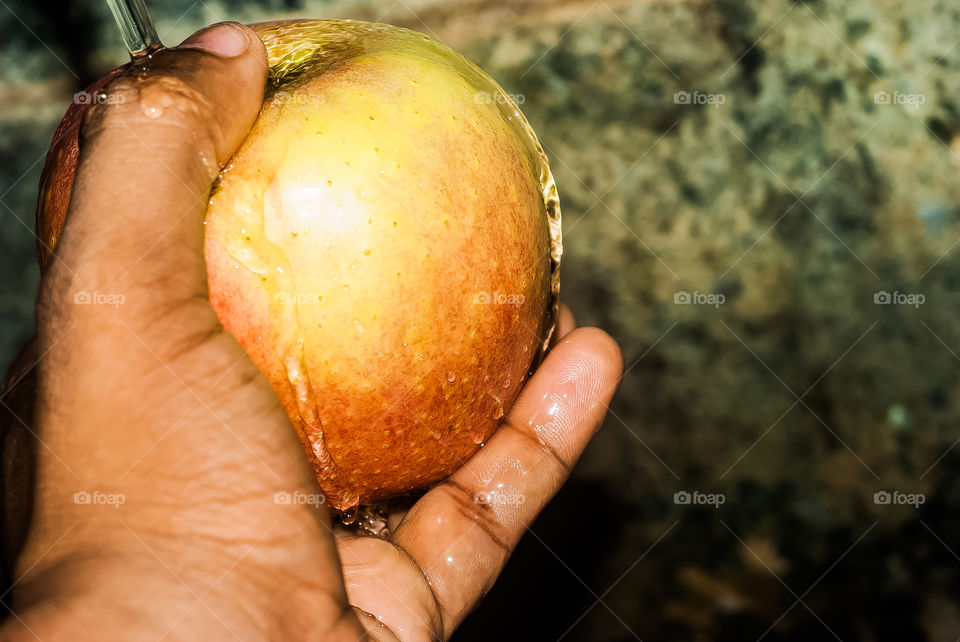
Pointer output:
x,y
150,149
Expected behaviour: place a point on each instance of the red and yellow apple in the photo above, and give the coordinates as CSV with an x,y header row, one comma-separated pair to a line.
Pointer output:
x,y
384,244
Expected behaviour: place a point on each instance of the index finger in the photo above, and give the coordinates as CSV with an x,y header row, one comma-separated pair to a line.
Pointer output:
x,y
462,532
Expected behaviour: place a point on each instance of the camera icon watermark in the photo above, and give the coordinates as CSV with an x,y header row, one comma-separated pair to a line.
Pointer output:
x,y
297,298
697,498
897,498
498,298
98,298
898,98
682,297
698,98
497,98
296,98
882,297
97,98
499,497
298,498
96,498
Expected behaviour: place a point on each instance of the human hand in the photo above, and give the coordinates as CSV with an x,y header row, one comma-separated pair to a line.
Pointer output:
x,y
154,402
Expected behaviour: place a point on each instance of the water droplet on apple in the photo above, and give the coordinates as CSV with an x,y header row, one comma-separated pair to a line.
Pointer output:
x,y
451,376
498,408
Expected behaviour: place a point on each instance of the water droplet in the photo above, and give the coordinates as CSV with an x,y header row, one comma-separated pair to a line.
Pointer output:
x,y
498,411
451,376
477,438
506,384
349,516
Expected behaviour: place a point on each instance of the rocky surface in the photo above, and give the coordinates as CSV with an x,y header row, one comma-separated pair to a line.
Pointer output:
x,y
783,166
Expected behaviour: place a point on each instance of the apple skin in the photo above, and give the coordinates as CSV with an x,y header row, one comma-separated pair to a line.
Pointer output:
x,y
385,245
60,164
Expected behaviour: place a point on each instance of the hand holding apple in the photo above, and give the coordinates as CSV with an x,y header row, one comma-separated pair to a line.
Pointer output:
x,y
389,218
153,400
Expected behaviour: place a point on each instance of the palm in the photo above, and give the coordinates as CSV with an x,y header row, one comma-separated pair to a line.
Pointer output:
x,y
386,583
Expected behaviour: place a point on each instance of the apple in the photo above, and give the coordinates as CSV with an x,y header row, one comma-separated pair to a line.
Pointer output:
x,y
385,245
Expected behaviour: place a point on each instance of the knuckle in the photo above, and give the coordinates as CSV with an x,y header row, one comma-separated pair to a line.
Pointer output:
x,y
162,99
543,446
479,515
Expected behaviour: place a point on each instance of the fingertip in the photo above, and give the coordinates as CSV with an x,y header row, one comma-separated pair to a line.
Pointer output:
x,y
566,322
241,61
608,355
224,39
568,395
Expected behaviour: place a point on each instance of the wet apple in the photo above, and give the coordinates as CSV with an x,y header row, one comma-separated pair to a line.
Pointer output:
x,y
385,246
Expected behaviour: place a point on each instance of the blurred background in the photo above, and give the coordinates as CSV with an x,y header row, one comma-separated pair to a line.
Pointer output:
x,y
761,204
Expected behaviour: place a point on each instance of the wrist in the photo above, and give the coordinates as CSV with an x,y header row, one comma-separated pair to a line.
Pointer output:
x,y
106,596
197,593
